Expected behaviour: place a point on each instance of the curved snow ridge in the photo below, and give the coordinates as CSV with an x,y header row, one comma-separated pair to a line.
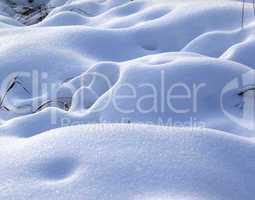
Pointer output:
x,y
146,20
114,161
159,71
146,83
140,28
118,42
113,65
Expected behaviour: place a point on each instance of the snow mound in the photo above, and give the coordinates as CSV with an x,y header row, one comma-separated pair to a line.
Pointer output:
x,y
128,162
185,65
118,42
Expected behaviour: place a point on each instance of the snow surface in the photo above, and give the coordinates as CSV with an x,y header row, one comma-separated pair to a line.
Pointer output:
x,y
138,162
96,47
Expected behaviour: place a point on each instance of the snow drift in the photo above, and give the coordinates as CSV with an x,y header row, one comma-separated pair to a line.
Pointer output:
x,y
128,162
69,62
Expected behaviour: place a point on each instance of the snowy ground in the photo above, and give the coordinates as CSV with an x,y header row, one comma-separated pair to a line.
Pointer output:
x,y
183,70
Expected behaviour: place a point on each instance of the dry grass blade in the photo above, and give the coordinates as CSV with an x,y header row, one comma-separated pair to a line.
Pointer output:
x,y
253,7
241,93
11,86
4,108
65,102
81,11
243,7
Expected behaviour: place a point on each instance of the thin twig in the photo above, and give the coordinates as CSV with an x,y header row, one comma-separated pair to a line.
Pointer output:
x,y
11,86
82,11
241,93
64,103
254,7
243,13
4,108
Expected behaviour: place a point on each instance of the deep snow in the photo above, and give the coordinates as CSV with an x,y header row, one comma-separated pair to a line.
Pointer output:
x,y
113,61
128,162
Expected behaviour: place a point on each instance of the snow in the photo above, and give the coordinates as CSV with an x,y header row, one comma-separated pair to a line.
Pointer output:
x,y
157,91
128,162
